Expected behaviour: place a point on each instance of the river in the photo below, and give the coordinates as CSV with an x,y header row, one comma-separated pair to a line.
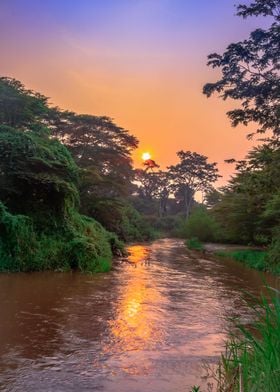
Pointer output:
x,y
148,325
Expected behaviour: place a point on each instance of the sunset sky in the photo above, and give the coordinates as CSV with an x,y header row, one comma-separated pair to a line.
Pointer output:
x,y
141,62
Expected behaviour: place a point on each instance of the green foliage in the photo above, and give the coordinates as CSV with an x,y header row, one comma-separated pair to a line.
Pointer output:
x,y
192,174
40,225
250,71
252,258
20,107
253,353
135,227
273,254
80,243
101,149
39,179
202,225
195,388
166,225
249,208
120,217
194,243
17,241
38,174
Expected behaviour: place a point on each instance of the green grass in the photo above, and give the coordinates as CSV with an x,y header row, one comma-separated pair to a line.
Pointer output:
x,y
252,356
251,362
252,258
194,244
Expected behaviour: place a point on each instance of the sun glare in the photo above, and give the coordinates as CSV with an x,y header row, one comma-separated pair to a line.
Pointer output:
x,y
146,156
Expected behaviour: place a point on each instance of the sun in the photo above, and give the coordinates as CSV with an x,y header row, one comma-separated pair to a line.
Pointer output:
x,y
146,156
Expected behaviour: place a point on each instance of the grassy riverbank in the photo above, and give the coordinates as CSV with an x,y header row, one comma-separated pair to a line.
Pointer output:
x,y
253,258
251,361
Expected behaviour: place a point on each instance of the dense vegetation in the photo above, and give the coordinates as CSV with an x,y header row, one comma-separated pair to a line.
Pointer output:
x,y
167,198
48,186
249,207
251,360
69,193
247,210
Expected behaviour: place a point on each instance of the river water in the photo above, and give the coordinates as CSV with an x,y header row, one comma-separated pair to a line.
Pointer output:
x,y
148,325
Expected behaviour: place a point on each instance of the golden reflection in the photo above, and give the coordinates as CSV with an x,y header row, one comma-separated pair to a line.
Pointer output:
x,y
138,253
136,325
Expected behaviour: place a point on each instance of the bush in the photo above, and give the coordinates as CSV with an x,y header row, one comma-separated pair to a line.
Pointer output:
x,y
80,243
122,218
41,228
166,225
194,244
201,225
18,243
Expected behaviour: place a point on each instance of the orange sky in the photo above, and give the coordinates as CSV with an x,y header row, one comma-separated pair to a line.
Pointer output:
x,y
141,62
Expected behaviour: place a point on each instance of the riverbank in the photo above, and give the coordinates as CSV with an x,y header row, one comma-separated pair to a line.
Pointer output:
x,y
253,257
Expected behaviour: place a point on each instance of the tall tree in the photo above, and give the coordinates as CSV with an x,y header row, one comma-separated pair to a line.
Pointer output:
x,y
154,187
102,149
192,174
248,207
37,174
20,107
250,71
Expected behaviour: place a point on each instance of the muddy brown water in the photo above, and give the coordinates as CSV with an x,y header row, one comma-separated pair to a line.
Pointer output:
x,y
146,326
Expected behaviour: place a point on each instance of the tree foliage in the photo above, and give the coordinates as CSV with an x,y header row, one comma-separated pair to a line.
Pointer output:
x,y
42,228
248,208
40,183
20,107
37,173
192,174
250,71
101,148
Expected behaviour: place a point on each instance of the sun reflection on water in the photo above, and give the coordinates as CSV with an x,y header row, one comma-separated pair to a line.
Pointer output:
x,y
135,325
138,254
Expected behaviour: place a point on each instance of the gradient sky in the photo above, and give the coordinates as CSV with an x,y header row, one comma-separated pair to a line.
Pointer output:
x,y
141,62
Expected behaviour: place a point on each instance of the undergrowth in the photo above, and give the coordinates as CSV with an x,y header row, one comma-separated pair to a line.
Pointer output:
x,y
194,243
252,358
80,243
251,361
257,259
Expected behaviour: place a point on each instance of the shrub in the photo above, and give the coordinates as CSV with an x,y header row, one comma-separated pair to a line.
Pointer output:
x,y
18,244
201,225
120,217
79,243
194,243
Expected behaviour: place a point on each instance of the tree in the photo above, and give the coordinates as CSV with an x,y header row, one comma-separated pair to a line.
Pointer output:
x,y
154,187
248,209
37,174
212,197
19,107
250,71
103,151
100,148
40,227
192,174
